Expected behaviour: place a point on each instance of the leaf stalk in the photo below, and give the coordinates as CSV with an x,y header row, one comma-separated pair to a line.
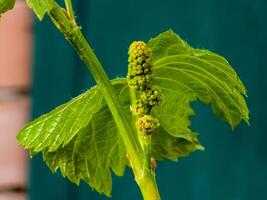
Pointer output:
x,y
69,8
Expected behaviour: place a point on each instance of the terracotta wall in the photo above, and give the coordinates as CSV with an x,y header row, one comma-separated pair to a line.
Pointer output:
x,y
15,84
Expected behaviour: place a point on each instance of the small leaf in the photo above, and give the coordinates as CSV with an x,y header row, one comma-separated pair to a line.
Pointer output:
x,y
40,7
95,150
61,125
81,139
200,73
6,5
90,155
166,146
174,139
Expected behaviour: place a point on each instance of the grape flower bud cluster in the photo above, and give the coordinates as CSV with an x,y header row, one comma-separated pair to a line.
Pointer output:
x,y
140,66
139,78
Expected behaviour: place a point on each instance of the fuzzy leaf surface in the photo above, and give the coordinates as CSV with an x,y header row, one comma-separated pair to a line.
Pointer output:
x,y
60,126
199,74
80,138
91,154
96,149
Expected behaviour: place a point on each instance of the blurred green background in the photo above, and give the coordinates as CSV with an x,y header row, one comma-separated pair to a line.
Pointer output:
x,y
234,165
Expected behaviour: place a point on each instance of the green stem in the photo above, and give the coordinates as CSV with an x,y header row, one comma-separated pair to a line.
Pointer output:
x,y
147,153
69,8
148,187
134,151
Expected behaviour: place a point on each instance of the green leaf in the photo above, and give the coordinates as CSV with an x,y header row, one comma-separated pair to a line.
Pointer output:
x,y
90,155
6,5
61,125
80,138
95,149
166,146
174,139
201,74
41,7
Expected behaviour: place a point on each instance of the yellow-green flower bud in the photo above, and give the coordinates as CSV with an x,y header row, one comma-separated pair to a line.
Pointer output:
x,y
139,108
151,97
147,124
140,82
140,65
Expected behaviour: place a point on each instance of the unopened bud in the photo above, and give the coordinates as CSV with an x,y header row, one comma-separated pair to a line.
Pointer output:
x,y
147,124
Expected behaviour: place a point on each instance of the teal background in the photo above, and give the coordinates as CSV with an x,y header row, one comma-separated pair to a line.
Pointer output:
x,y
234,165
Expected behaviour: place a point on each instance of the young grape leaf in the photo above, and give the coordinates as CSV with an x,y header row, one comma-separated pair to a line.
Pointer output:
x,y
201,73
95,149
40,7
62,124
80,137
6,5
174,139
166,146
90,155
